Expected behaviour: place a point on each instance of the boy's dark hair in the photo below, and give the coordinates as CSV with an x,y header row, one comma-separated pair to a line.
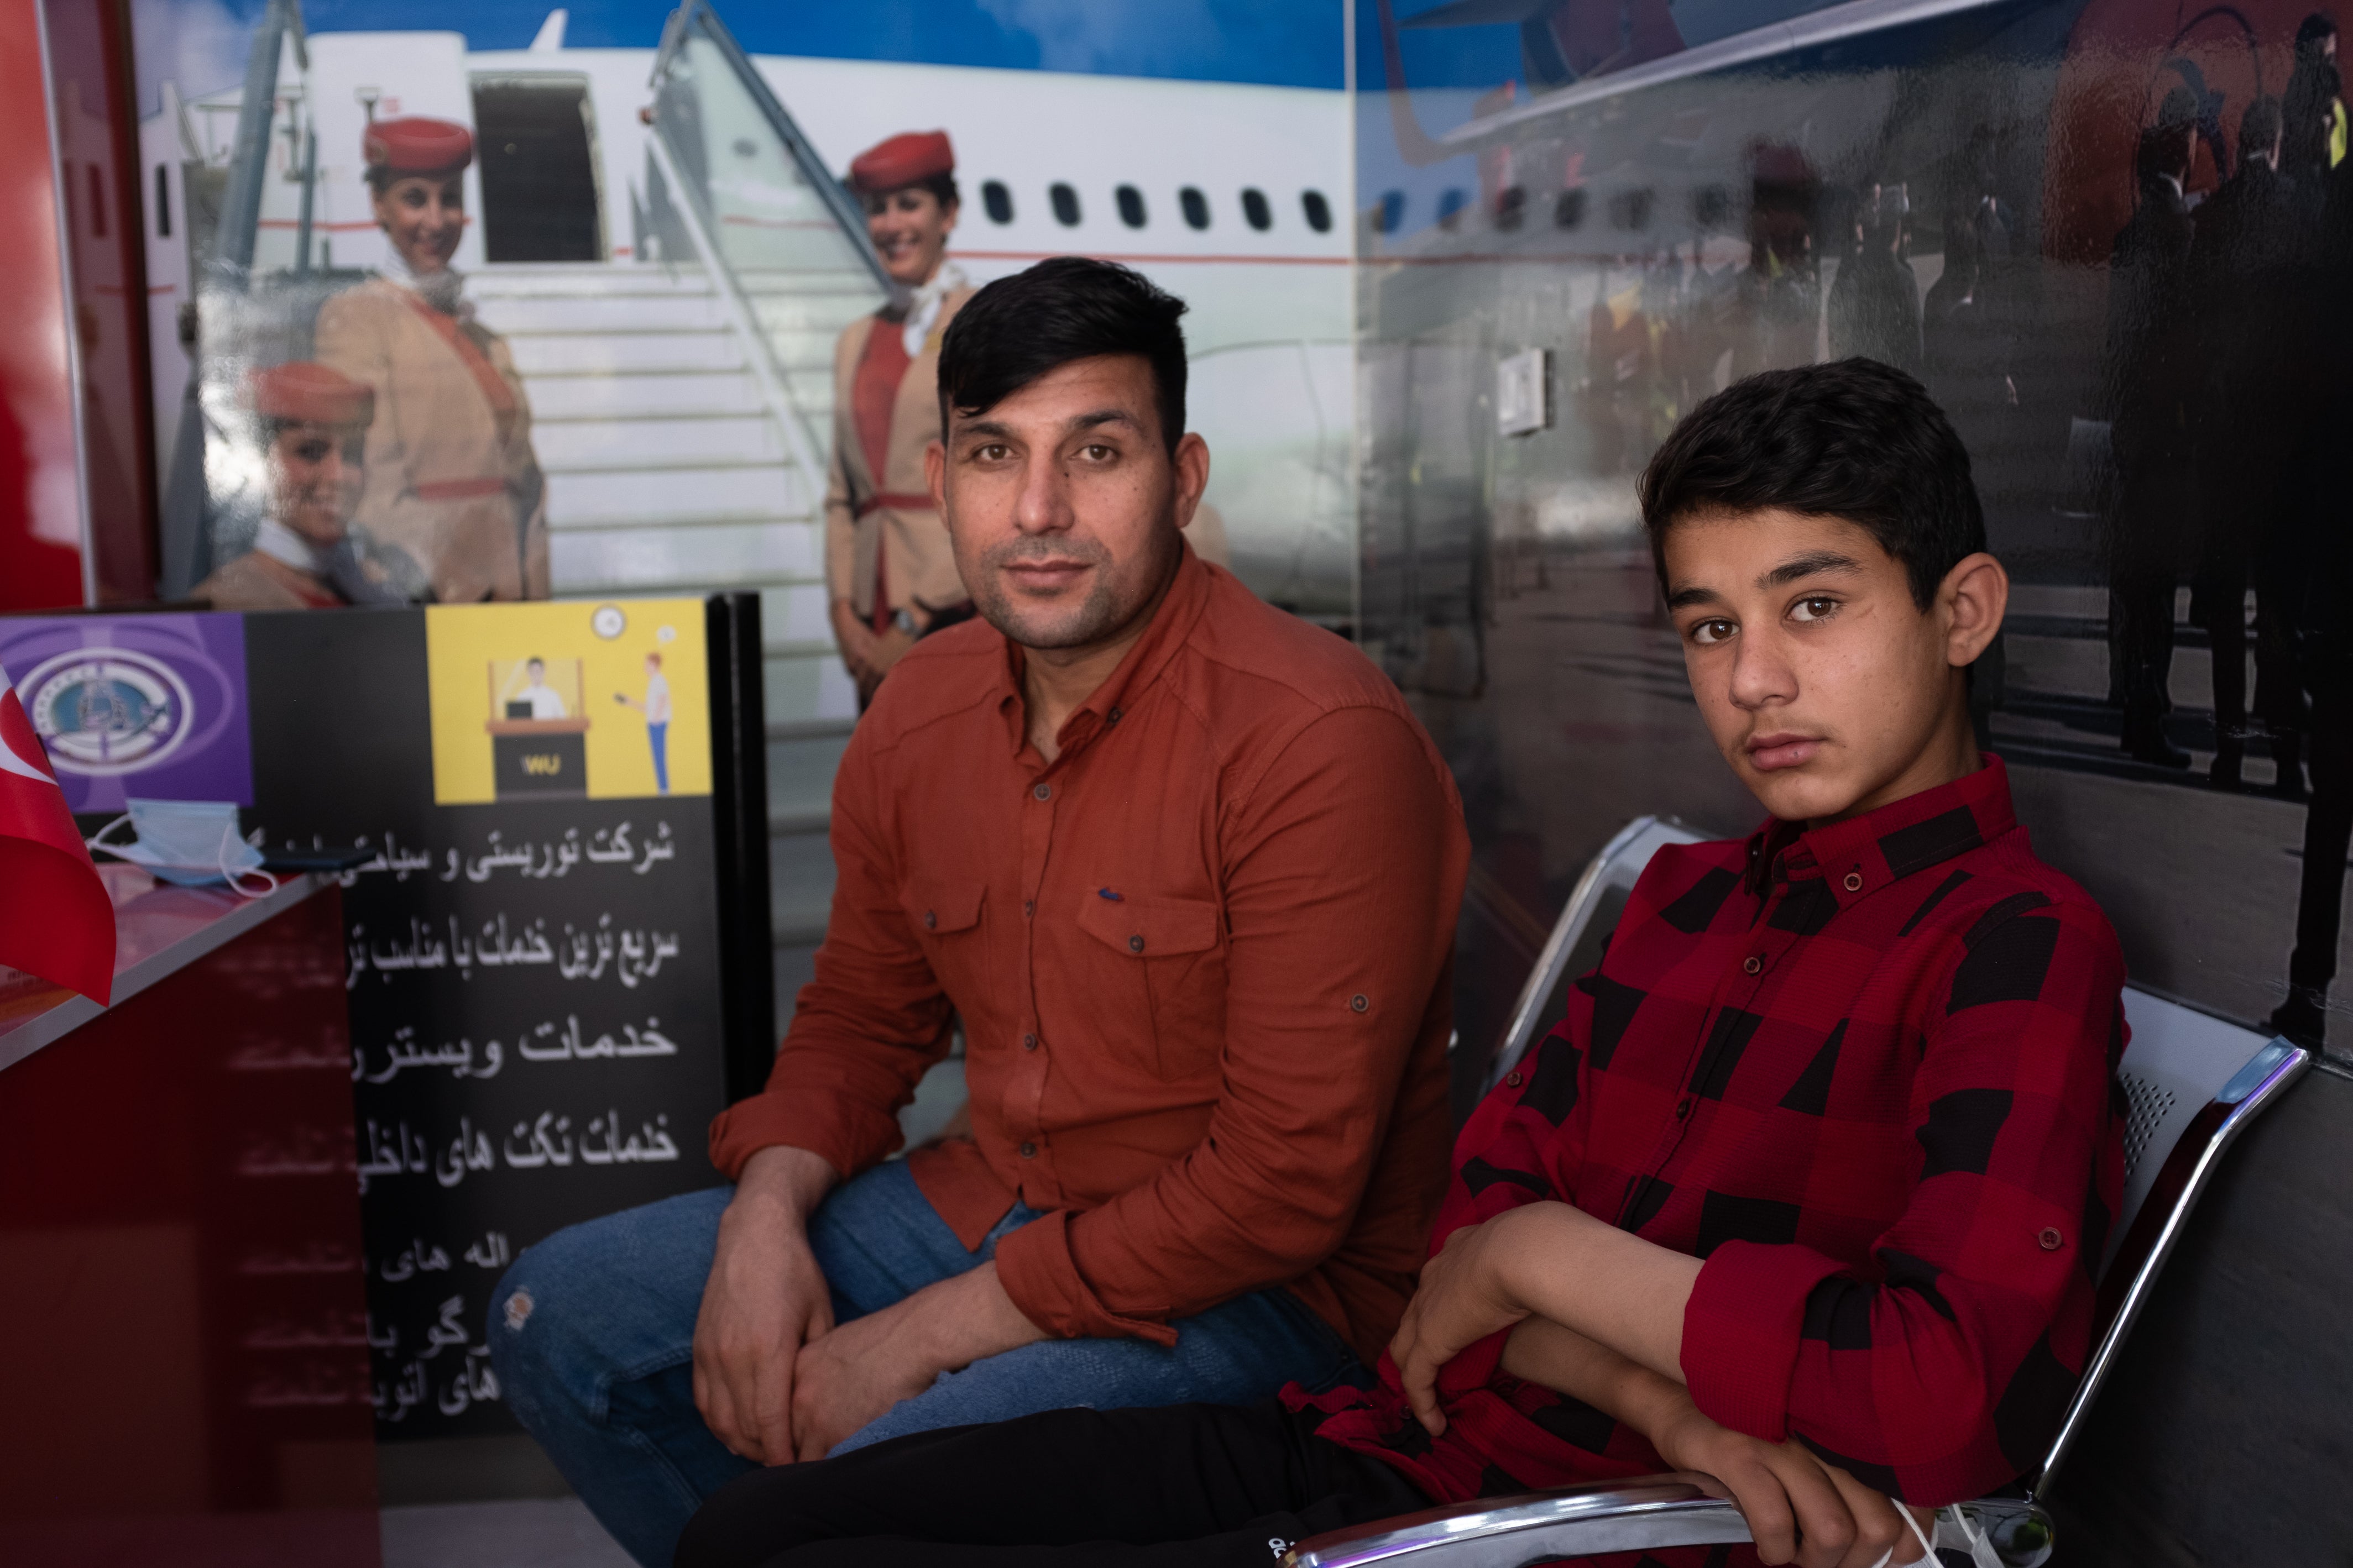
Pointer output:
x,y
1853,439
2259,126
1070,307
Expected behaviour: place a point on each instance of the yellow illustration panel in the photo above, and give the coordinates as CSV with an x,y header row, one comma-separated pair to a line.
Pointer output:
x,y
583,699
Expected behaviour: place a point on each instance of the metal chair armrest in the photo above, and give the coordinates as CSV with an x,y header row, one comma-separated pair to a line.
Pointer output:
x,y
1639,1515
1643,1514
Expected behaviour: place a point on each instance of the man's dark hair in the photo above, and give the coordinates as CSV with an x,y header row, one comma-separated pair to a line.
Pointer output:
x,y
1070,308
1853,439
2259,127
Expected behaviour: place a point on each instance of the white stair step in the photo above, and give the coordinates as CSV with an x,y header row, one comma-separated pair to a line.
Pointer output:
x,y
793,617
800,887
622,353
615,396
609,498
808,689
576,444
527,314
800,781
708,556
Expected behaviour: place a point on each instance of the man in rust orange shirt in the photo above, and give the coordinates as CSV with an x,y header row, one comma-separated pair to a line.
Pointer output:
x,y
1186,868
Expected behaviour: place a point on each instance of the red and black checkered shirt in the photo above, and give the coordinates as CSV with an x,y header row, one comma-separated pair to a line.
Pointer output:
x,y
1866,1072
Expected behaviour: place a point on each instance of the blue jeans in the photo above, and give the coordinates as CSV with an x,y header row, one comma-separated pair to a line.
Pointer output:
x,y
660,735
592,1334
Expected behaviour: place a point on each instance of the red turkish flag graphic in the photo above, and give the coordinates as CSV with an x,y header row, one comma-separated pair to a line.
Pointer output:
x,y
56,919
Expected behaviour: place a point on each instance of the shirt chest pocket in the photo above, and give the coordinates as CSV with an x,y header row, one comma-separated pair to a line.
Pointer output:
x,y
1156,967
946,919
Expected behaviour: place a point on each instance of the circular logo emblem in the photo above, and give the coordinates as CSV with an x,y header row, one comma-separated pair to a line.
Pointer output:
x,y
107,710
609,622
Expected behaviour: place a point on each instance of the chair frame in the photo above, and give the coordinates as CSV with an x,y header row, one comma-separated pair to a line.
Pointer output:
x,y
1654,1512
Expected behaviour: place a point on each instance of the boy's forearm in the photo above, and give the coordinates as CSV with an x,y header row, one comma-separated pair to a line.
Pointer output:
x,y
1607,1284
1542,1352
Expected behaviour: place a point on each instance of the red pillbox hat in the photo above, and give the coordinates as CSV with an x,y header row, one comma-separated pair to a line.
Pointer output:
x,y
311,394
907,159
415,145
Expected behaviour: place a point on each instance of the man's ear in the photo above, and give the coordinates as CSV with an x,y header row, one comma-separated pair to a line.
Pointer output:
x,y
936,478
1974,597
1191,460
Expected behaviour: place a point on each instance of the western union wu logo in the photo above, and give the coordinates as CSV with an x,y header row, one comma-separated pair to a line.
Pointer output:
x,y
546,764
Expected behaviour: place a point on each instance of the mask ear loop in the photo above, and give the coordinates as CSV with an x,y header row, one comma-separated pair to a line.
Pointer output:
x,y
98,839
233,875
1928,1548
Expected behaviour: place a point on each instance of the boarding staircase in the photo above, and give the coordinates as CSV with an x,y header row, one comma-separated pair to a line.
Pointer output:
x,y
681,409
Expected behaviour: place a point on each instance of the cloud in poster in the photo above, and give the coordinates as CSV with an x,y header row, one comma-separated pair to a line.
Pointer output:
x,y
200,45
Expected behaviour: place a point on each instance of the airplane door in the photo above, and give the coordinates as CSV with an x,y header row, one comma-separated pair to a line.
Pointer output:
x,y
537,139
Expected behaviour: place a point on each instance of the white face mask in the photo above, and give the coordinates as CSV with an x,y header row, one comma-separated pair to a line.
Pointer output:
x,y
192,841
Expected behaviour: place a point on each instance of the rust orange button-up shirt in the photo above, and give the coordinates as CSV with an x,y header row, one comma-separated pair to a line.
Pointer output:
x,y
1202,961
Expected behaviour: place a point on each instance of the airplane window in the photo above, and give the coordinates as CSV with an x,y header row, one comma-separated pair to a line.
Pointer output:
x,y
1131,205
1318,211
1392,211
1066,204
997,200
1196,205
1511,207
1255,209
1630,209
162,202
1449,206
1568,209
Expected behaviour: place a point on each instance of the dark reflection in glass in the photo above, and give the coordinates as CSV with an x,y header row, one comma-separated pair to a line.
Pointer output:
x,y
2111,242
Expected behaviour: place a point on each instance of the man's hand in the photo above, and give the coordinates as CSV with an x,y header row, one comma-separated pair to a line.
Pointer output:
x,y
856,1374
765,1298
1461,1299
882,652
1799,1509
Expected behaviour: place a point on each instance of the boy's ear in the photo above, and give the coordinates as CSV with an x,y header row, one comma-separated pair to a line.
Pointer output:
x,y
1974,597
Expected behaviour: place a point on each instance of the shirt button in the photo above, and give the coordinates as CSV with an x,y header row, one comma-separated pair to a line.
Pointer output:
x,y
1682,1109
2051,1239
1028,1151
1136,944
1513,1078
1855,881
1752,964
1029,905
1358,1002
931,919
1115,715
1044,792
1029,1042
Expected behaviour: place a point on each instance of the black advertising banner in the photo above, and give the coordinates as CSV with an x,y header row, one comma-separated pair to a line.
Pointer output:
x,y
541,999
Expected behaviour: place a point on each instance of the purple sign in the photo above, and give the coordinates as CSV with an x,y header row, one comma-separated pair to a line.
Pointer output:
x,y
152,706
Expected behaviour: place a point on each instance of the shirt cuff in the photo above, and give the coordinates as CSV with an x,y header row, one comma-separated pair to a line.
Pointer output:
x,y
1741,1328
1035,1266
846,1137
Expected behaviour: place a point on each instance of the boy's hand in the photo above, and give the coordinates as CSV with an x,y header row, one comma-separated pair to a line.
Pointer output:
x,y
1799,1509
1462,1298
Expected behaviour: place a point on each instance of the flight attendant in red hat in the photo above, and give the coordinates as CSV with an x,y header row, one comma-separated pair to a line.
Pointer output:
x,y
888,565
451,478
305,556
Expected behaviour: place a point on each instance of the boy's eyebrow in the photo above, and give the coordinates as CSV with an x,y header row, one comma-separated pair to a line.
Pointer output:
x,y
1812,563
1692,595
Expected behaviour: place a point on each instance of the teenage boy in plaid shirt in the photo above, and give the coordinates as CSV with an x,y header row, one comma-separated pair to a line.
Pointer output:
x,y
1808,1190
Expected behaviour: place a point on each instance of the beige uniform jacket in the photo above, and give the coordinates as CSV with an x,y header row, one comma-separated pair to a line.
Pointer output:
x,y
911,542
444,481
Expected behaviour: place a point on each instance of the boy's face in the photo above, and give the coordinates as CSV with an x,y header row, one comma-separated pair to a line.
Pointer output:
x,y
1825,686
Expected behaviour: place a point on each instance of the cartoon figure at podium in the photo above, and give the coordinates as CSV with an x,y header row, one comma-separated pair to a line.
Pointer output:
x,y
528,701
539,747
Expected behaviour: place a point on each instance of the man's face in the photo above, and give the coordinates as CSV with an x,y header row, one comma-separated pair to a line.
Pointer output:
x,y
1821,681
1064,504
910,228
316,481
536,670
424,216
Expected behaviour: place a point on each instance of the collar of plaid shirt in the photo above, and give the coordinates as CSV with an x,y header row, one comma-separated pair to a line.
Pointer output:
x,y
1866,1072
